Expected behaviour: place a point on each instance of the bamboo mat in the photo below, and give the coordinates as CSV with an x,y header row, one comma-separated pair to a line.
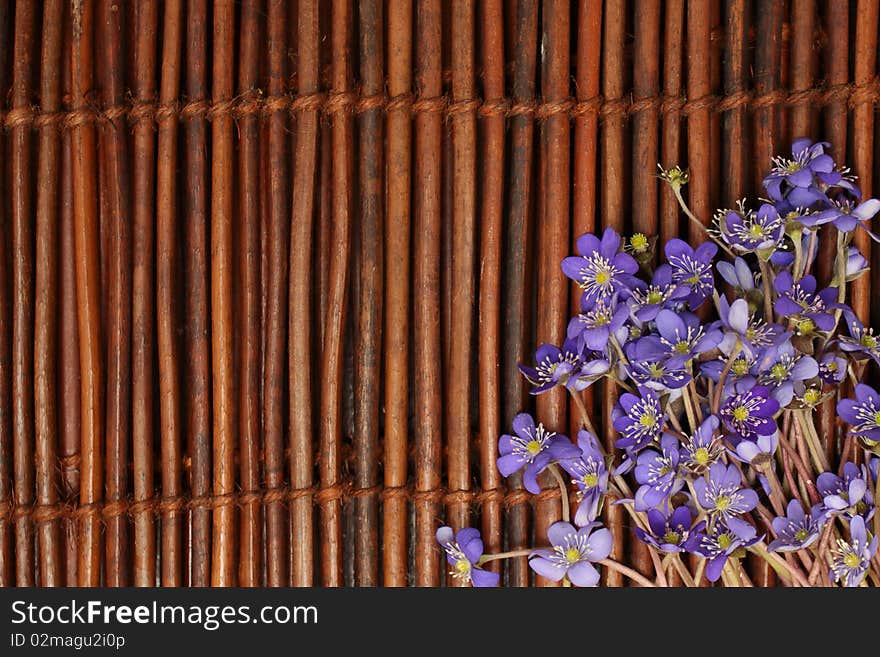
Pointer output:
x,y
267,268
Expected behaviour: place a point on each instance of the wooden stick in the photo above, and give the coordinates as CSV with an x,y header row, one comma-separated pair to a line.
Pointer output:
x,y
223,571
492,227
46,310
22,260
699,144
166,297
670,151
301,311
198,326
397,280
249,299
88,294
734,120
277,252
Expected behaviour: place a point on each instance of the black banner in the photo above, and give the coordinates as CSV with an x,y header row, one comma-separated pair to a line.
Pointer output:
x,y
386,621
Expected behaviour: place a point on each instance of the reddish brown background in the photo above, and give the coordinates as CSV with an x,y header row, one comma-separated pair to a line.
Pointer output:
x,y
267,268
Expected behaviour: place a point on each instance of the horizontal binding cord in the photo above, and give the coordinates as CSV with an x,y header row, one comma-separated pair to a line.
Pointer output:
x,y
254,103
165,506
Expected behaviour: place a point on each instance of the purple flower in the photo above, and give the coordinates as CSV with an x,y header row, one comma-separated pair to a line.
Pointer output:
x,y
847,216
701,449
573,554
724,539
862,413
848,495
862,339
658,472
601,270
796,530
856,265
759,450
720,493
646,302
673,534
534,448
800,302
463,552
738,275
682,342
808,159
740,370
747,231
596,322
553,366
640,419
751,413
832,368
648,367
692,267
782,368
851,560
590,475
752,333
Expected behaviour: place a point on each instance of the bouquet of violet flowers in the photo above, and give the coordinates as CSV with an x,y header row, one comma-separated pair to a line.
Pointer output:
x,y
722,355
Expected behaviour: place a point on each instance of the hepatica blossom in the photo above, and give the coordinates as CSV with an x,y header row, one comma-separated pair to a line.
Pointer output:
x,y
463,553
712,445
573,553
532,448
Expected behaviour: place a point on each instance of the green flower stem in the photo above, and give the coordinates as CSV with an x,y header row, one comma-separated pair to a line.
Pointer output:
x,y
563,491
637,577
798,255
676,189
486,558
734,354
783,569
585,417
812,439
768,291
686,577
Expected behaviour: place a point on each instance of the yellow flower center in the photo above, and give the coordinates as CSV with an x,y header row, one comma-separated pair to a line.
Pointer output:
x,y
740,414
590,480
656,369
601,320
852,560
750,333
724,541
701,456
801,535
533,447
832,366
671,537
778,371
572,555
647,420
806,326
639,242
682,347
812,396
693,280
756,230
722,503
462,566
877,418
655,296
869,341
602,277
740,367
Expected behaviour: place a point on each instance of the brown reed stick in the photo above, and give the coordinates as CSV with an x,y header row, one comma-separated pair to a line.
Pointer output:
x,y
276,250
766,80
491,233
115,226
301,307
397,278
369,311
699,136
734,120
46,294
553,229
88,295
223,570
670,148
7,545
197,293
248,281
865,60
22,260
143,295
168,350
518,230
802,118
613,182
